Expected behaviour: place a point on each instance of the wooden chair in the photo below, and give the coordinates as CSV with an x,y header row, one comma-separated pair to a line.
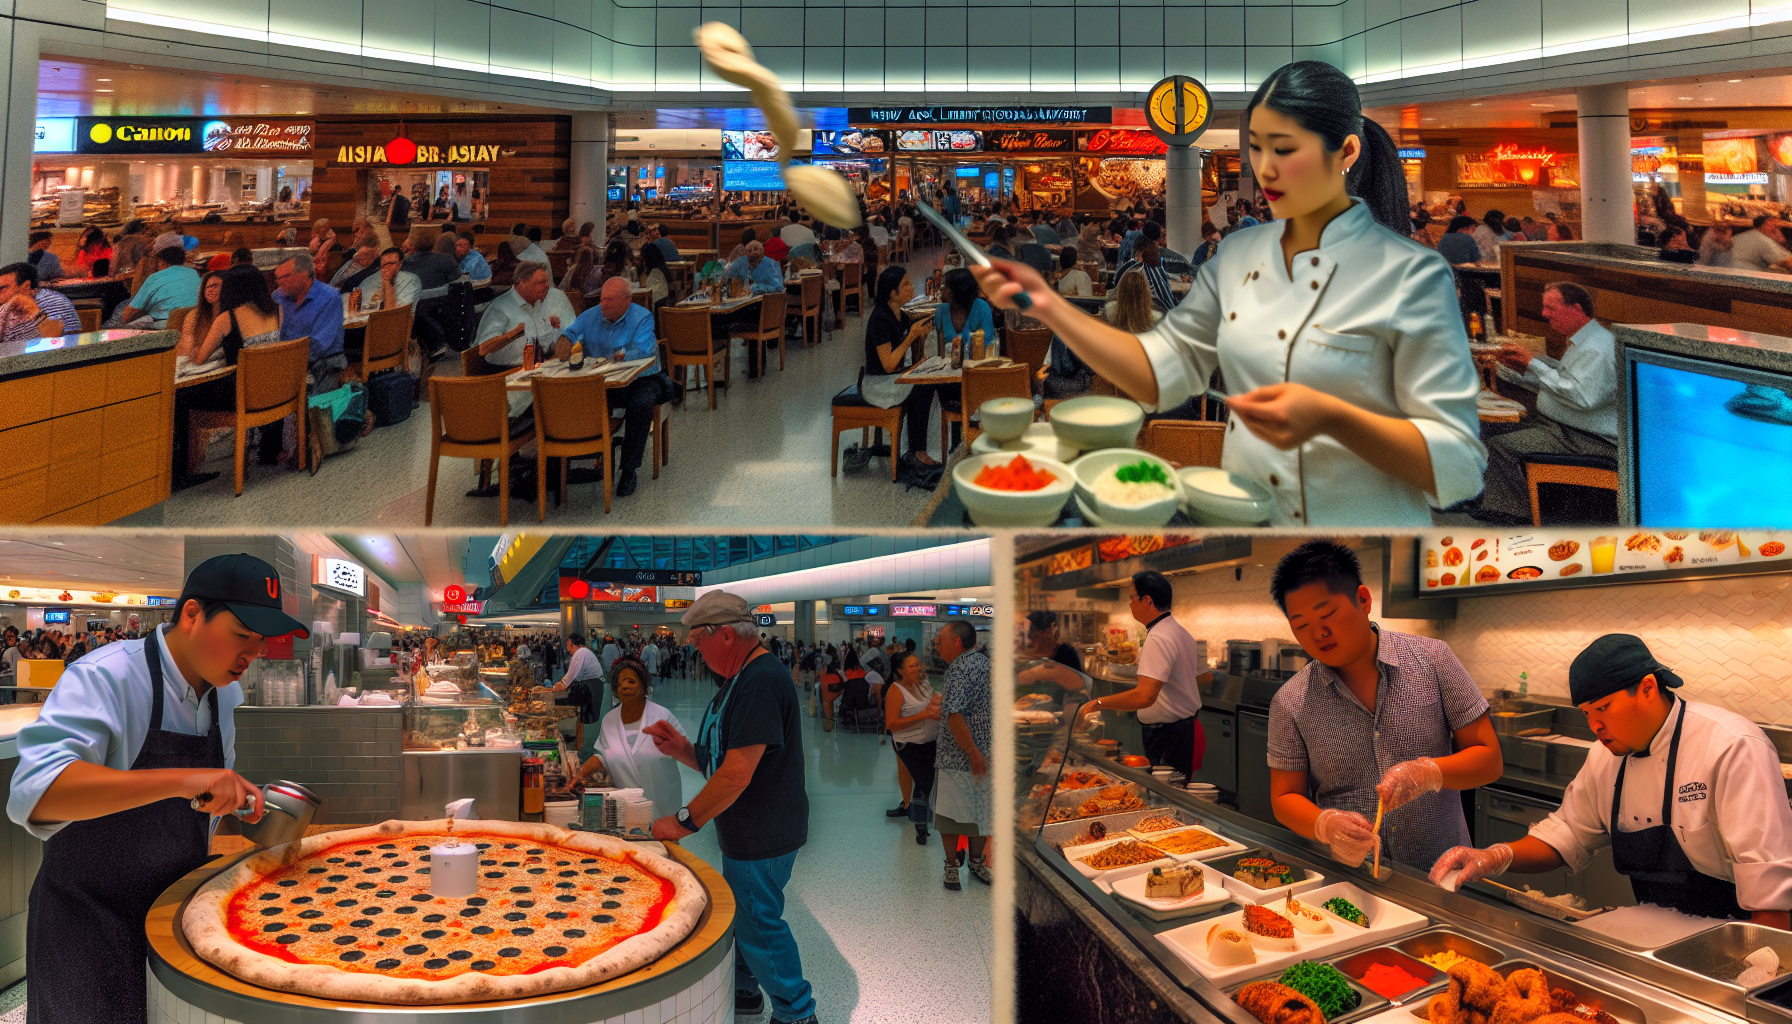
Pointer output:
x,y
470,419
689,343
50,328
1030,347
270,386
177,318
388,335
982,383
1598,474
1185,442
814,287
661,452
852,286
90,317
852,412
771,327
472,364
572,421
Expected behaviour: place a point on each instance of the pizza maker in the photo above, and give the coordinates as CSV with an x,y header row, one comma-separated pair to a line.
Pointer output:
x,y
288,811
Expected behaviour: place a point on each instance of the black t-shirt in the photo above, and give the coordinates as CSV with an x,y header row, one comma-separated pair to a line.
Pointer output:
x,y
401,209
1066,655
771,816
883,327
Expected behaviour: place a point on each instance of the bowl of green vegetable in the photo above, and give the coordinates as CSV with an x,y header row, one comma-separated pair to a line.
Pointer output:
x,y
1128,487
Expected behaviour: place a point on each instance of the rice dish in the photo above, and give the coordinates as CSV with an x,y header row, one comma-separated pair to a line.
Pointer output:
x,y
1219,483
1134,485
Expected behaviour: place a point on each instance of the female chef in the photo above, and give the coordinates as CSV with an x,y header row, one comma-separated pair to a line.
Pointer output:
x,y
1339,338
1691,801
626,749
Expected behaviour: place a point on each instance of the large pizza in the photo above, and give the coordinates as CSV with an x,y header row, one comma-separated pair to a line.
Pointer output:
x,y
348,915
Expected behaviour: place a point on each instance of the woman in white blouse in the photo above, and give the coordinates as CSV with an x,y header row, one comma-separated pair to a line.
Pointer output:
x,y
627,750
1339,337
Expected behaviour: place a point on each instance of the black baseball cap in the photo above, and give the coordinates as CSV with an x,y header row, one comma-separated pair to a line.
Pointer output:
x,y
1615,661
250,588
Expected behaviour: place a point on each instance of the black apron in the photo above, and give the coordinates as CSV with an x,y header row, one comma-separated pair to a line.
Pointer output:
x,y
1658,869
86,949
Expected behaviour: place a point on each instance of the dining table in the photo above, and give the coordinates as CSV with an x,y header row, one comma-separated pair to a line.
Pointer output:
x,y
110,291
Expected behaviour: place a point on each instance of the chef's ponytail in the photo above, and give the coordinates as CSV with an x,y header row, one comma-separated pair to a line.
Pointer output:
x,y
1324,101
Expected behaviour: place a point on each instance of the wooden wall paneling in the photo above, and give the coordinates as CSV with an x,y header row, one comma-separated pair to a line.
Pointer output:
x,y
25,400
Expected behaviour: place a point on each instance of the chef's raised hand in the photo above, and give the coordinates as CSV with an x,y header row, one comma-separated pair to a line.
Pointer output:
x,y
1409,780
1464,864
1004,279
221,791
1348,833
670,742
1285,415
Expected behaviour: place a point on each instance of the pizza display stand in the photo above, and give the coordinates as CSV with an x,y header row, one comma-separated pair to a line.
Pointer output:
x,y
692,984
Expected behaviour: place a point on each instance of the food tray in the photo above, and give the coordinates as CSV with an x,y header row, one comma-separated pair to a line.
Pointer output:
x,y
1230,849
1073,854
1073,799
1387,922
1648,926
1372,1005
1436,940
1356,965
1248,893
1128,884
1623,1010
1186,818
1717,954
1117,824
1771,1003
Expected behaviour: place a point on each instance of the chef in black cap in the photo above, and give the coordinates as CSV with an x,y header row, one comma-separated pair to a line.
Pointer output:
x,y
1691,801
124,774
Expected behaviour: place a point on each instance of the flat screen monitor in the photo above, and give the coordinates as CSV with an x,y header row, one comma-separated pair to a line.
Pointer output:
x,y
615,193
967,172
1711,443
55,614
751,176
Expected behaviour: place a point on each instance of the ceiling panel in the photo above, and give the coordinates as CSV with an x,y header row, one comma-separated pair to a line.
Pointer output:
x,y
139,563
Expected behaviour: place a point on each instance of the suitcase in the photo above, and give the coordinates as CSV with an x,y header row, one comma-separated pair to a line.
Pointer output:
x,y
390,396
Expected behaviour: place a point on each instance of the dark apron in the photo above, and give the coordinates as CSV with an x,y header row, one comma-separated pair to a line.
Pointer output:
x,y
1658,869
86,950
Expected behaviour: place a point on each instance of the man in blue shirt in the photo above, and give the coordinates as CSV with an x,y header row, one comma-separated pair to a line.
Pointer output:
x,y
621,329
472,262
174,286
311,309
764,276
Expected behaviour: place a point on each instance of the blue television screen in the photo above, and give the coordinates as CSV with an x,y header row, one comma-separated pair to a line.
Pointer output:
x,y
615,193
968,172
989,181
1712,449
751,176
56,614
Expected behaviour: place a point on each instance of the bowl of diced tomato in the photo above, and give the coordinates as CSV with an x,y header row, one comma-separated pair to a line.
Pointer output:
x,y
1012,489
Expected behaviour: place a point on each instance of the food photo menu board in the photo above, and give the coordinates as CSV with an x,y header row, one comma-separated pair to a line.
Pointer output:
x,y
1489,560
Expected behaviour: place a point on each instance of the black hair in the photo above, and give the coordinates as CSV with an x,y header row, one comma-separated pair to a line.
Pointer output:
x,y
522,227
245,286
22,273
898,659
38,236
851,659
576,638
964,631
1316,561
468,236
533,234
241,256
1324,101
1573,294
1513,225
209,607
961,286
1152,230
173,255
1042,621
1459,222
748,235
392,251
888,281
1494,219
654,258
1155,587
1067,257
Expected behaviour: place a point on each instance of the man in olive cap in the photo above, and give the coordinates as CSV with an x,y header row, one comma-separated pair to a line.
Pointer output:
x,y
1691,801
750,749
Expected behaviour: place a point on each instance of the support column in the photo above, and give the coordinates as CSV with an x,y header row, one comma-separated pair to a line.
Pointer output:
x,y
17,146
572,619
803,621
1691,145
589,169
1182,198
1607,205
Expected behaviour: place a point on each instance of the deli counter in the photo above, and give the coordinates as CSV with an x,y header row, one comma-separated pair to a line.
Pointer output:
x,y
1094,943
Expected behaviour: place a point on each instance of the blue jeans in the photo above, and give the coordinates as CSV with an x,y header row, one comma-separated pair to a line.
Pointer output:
x,y
765,953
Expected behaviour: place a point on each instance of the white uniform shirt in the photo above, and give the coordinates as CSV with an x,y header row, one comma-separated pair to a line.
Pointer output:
x,y
509,309
99,713
1580,389
1730,815
406,288
582,666
1371,317
1754,250
1171,654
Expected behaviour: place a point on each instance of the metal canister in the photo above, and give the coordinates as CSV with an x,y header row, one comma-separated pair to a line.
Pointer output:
x,y
289,809
533,793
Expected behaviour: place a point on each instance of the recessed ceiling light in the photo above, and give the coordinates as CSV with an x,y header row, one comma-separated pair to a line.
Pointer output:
x,y
1684,97
1474,104
102,90
102,79
1732,80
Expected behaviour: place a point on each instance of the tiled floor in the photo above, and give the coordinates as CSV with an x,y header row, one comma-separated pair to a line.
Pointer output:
x,y
760,459
882,940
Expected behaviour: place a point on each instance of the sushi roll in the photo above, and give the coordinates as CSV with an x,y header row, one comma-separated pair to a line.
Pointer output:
x,y
1226,947
1307,920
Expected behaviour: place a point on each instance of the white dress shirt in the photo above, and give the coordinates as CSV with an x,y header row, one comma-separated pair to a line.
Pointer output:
x,y
1581,388
1171,654
582,666
509,309
406,288
1076,282
1370,317
1730,816
99,713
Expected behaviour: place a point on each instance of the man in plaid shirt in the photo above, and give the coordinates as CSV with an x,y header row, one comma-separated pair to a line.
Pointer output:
x,y
1403,701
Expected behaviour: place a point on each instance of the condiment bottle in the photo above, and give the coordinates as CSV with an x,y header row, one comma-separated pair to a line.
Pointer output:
x,y
977,344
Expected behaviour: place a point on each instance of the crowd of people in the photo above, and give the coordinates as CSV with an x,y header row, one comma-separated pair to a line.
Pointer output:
x,y
54,644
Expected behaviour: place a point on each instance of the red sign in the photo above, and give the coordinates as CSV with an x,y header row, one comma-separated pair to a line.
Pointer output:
x,y
1027,140
578,590
466,607
454,593
1126,141
574,589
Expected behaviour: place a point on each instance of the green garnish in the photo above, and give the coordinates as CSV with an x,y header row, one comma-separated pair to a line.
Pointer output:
x,y
1346,910
1325,985
1143,471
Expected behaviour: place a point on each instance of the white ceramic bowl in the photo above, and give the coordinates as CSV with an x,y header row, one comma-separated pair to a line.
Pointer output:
x,y
989,507
1006,419
1094,465
1216,497
1098,421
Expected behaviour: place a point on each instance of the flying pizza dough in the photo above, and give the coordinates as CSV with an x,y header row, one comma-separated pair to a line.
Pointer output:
x,y
825,193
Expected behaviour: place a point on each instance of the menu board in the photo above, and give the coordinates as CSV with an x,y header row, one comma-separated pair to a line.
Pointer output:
x,y
749,145
1489,560
929,140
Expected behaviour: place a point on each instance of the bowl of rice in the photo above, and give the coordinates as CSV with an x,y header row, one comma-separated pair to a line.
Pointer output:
x,y
1215,497
1006,503
1128,487
1097,421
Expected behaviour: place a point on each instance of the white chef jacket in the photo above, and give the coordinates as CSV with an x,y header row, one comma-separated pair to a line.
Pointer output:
x,y
509,309
1392,342
1731,816
582,666
1171,654
634,761
1581,388
99,713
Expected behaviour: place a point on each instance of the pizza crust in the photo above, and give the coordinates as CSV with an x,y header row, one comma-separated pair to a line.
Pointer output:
x,y
206,923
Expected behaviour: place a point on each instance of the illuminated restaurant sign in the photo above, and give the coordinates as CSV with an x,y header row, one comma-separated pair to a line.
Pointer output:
x,y
222,136
923,140
980,115
1509,166
404,151
462,607
1040,140
914,611
1126,141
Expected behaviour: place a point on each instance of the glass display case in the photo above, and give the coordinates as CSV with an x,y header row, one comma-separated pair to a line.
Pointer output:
x,y
462,725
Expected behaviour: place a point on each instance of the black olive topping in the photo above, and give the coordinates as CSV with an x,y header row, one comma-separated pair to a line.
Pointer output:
x,y
568,874
525,904
556,915
568,898
603,918
569,885
296,900
287,883
538,871
399,879
310,915
271,911
404,910
555,951
352,864
334,860
484,930
574,933
594,871
433,918
511,846
514,888
275,927
321,927
364,886
535,852
287,940
587,860
477,846
522,931
324,890
386,894
400,864
470,912
360,923
386,965
347,903
621,879
514,916
513,863
482,965
510,951
270,896
494,874
417,950
388,846
422,897
315,871
387,933
477,901
419,849
345,940
434,933
352,955
488,863
336,878
436,964
609,904
613,892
